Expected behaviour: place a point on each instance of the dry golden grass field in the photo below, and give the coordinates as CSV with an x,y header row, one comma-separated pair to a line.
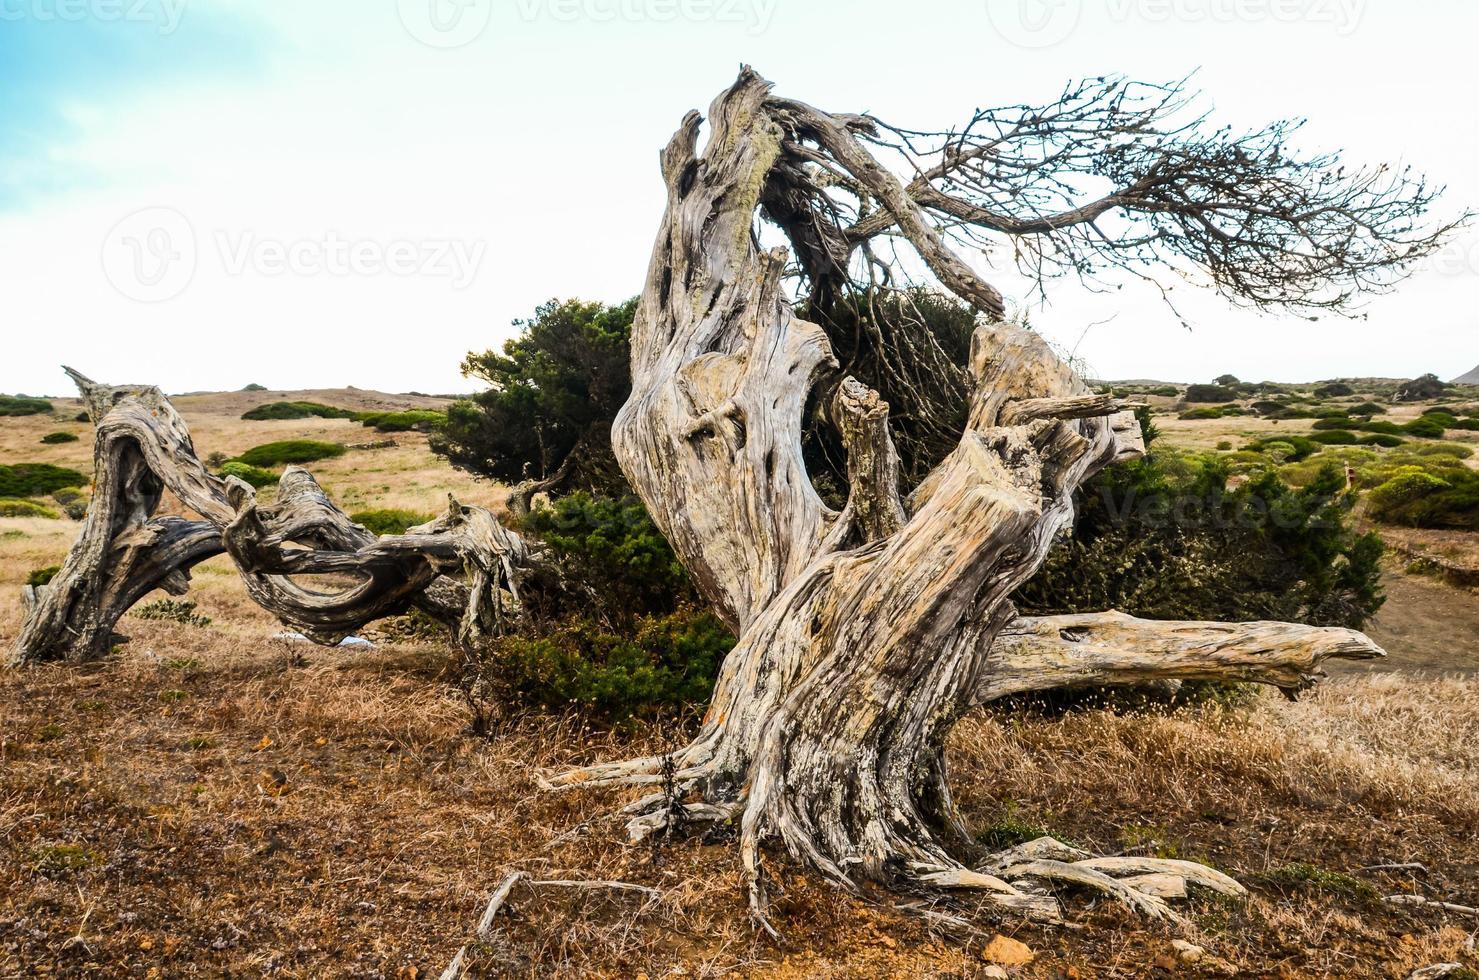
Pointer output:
x,y
214,802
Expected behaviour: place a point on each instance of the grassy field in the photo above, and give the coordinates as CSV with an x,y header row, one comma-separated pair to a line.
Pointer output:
x,y
216,802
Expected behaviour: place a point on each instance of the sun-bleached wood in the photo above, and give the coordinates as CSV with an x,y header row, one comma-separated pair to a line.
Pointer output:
x,y
126,551
864,634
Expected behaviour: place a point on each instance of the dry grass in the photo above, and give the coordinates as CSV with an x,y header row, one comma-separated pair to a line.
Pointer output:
x,y
215,803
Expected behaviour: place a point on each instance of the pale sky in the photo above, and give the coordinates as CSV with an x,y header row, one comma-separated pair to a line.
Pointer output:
x,y
203,194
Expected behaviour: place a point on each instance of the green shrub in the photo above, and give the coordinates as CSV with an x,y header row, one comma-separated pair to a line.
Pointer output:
x,y
10,507
422,421
1337,390
1425,500
37,479
173,611
1384,441
552,394
1224,446
43,576
1450,449
1166,391
1210,393
254,475
1285,449
666,666
615,562
58,438
390,522
277,411
1383,427
1425,428
16,405
1200,414
1333,422
1337,438
291,453
1442,418
254,388
1166,538
1466,425
1368,408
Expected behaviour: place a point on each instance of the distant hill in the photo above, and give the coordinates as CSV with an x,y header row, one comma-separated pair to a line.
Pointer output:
x,y
1472,378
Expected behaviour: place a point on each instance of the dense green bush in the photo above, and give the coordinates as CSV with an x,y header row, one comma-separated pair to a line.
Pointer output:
x,y
280,411
1337,437
390,522
1210,393
37,479
1338,389
665,665
58,438
1166,538
552,394
1333,422
14,405
614,562
413,421
1285,449
1384,441
1422,499
43,576
1202,414
10,507
1368,408
293,452
1425,428
254,475
1383,427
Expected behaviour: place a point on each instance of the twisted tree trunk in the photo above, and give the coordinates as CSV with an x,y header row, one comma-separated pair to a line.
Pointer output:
x,y
865,634
124,552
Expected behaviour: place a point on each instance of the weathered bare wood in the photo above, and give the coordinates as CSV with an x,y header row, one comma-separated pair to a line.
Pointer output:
x,y
125,551
864,635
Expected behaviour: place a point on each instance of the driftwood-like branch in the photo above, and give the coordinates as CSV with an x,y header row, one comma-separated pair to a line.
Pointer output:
x,y
1038,654
125,551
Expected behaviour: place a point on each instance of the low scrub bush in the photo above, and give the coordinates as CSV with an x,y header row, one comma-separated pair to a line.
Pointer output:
x,y
37,479
1285,449
43,576
17,405
1384,441
417,421
1337,390
1201,414
277,411
1338,437
1383,427
665,666
254,475
1425,428
1167,538
173,611
58,438
1423,499
10,507
1368,408
1334,422
1210,393
291,453
390,522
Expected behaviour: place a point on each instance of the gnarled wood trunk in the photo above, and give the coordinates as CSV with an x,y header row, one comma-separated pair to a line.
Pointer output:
x,y
865,633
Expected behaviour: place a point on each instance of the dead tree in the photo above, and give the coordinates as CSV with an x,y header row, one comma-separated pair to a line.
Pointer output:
x,y
867,631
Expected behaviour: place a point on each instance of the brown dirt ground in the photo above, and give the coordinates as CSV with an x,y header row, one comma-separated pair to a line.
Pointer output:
x,y
214,803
